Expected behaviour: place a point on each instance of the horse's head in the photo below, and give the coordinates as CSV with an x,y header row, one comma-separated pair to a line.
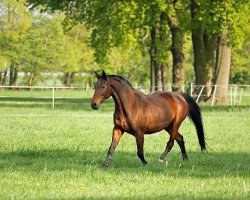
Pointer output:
x,y
102,90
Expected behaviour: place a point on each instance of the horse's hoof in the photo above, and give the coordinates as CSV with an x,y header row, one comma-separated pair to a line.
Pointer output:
x,y
104,166
185,157
161,161
144,163
204,151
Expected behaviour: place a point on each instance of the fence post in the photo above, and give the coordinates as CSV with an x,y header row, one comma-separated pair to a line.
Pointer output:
x,y
241,93
191,89
231,95
200,94
183,88
53,97
235,94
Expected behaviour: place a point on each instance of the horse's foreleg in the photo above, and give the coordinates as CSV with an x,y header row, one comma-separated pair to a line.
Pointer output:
x,y
140,153
117,134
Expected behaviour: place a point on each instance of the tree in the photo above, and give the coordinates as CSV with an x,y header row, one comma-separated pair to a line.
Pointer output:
x,y
77,55
43,46
223,67
14,22
177,16
152,23
129,62
114,23
204,42
240,72
217,26
4,64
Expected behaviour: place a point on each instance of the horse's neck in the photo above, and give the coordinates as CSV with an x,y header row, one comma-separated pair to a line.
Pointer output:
x,y
123,97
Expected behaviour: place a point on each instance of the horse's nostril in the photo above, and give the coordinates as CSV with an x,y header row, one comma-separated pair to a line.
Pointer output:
x,y
94,106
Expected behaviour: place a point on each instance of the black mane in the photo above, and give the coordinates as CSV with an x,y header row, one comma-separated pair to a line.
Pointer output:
x,y
122,79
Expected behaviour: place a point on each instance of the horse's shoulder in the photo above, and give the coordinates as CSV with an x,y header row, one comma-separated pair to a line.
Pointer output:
x,y
140,95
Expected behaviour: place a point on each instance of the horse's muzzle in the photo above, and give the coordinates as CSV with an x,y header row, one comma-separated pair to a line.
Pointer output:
x,y
94,106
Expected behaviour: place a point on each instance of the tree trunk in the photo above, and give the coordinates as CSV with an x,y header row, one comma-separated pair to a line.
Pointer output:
x,y
3,81
178,71
1,77
153,63
69,79
204,46
13,75
152,76
72,79
223,68
210,47
32,78
164,76
157,77
66,79
198,47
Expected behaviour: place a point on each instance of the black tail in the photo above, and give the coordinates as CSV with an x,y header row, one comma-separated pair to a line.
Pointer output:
x,y
195,115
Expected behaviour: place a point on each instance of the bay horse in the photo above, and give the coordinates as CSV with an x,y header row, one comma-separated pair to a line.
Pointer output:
x,y
137,114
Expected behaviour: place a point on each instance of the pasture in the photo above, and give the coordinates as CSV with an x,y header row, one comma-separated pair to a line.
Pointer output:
x,y
58,154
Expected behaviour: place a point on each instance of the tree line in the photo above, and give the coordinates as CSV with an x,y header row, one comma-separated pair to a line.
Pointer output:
x,y
127,36
34,43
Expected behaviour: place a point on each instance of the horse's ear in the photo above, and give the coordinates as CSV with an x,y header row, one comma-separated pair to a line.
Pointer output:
x,y
104,76
97,75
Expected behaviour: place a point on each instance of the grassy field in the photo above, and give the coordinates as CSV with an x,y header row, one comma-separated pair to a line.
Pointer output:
x,y
58,154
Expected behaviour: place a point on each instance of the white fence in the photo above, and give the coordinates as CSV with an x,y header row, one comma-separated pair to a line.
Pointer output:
x,y
51,95
236,93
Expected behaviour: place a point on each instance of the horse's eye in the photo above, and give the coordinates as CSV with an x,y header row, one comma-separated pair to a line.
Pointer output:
x,y
103,86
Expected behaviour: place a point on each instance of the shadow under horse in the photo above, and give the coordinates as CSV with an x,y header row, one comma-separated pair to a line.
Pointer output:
x,y
137,114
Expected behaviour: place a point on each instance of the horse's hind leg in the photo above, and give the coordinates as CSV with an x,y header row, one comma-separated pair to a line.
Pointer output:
x,y
181,143
172,131
174,135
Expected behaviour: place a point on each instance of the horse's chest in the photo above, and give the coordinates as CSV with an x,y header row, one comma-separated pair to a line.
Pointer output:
x,y
120,121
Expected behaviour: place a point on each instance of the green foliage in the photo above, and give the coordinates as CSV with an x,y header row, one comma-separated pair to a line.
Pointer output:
x,y
14,23
240,72
4,62
43,43
215,15
37,43
115,26
14,19
128,62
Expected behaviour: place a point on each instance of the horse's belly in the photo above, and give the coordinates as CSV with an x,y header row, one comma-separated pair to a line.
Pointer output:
x,y
158,123
155,127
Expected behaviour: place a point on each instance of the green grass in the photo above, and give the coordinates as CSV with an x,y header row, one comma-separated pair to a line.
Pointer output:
x,y
58,154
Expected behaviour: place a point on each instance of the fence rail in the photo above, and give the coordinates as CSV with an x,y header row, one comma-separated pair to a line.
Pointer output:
x,y
236,93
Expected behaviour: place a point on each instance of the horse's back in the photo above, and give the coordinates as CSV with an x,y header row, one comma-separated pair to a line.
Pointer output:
x,y
167,107
170,98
